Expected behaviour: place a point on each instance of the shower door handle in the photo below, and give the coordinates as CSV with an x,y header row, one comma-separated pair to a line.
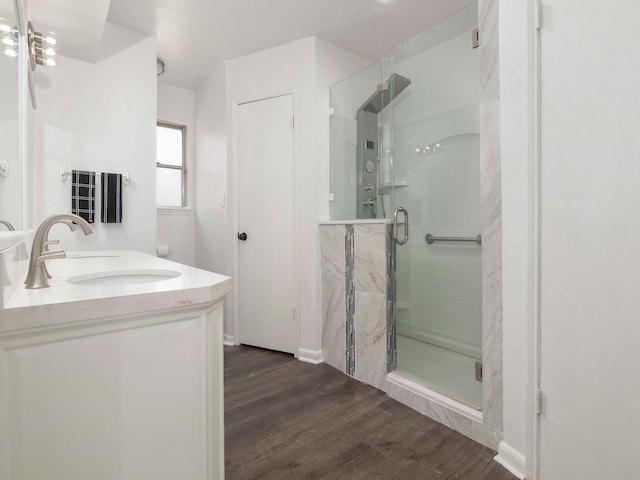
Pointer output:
x,y
406,226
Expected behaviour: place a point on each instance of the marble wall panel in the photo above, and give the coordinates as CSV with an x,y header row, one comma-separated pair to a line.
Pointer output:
x,y
370,261
491,206
371,339
332,239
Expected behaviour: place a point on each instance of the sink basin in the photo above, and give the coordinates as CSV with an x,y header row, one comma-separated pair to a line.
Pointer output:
x,y
91,255
123,277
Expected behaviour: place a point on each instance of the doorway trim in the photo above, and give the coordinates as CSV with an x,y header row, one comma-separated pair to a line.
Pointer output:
x,y
296,215
535,211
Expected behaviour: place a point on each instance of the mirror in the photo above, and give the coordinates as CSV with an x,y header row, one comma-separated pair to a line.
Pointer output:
x,y
17,127
10,166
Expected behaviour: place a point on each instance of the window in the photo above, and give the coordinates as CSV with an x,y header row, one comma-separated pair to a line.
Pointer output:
x,y
171,171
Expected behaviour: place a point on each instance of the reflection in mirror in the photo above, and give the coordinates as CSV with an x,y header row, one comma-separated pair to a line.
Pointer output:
x,y
29,169
10,168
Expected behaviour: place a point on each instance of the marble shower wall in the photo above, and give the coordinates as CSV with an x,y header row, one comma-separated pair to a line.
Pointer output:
x,y
491,206
354,300
370,281
334,316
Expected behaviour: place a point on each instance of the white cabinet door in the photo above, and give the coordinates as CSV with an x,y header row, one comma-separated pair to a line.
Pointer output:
x,y
265,215
590,243
132,400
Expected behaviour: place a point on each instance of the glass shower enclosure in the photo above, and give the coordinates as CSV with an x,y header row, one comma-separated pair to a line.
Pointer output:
x,y
405,144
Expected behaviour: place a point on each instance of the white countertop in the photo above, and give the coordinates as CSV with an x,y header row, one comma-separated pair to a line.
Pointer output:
x,y
64,302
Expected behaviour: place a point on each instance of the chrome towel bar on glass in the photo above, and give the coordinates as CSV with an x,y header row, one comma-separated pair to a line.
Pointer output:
x,y
431,239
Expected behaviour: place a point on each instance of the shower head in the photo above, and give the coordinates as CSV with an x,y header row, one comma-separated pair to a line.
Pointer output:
x,y
386,92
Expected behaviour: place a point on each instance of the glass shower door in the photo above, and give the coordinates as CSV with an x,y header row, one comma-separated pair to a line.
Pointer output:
x,y
432,131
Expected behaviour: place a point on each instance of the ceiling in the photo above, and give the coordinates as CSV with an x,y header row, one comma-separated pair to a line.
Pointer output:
x,y
78,25
195,35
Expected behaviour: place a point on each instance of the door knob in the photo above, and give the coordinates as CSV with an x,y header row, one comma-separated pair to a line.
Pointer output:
x,y
242,236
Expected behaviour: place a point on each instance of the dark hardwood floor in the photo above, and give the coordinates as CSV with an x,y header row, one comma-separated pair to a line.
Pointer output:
x,y
286,419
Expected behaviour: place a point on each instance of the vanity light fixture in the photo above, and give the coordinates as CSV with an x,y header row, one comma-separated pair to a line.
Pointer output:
x,y
9,39
42,47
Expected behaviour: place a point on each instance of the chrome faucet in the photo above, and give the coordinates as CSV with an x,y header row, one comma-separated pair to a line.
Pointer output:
x,y
8,225
37,274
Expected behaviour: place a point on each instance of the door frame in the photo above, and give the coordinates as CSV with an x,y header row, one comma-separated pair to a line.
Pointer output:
x,y
296,223
526,463
535,245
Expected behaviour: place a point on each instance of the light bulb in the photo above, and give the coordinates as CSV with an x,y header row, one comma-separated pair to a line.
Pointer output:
x,y
50,62
10,42
10,52
5,28
50,39
50,52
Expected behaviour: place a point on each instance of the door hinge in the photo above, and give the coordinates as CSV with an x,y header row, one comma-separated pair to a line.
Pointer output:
x,y
479,371
538,15
293,313
475,38
538,401
293,122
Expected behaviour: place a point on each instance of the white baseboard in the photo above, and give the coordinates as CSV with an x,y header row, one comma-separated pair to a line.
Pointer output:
x,y
228,340
310,356
512,460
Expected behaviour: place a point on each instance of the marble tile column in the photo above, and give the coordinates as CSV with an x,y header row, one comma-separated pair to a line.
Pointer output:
x,y
333,295
370,281
354,300
491,205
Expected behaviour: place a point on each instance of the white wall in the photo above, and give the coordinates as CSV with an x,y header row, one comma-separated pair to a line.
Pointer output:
x,y
306,67
101,117
213,235
176,225
333,64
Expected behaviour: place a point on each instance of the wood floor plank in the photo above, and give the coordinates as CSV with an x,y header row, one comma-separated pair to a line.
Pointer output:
x,y
286,419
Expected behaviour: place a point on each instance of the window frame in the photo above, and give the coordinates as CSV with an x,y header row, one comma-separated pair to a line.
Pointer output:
x,y
182,168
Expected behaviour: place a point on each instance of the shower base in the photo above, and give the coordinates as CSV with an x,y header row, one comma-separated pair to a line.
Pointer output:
x,y
442,370
414,392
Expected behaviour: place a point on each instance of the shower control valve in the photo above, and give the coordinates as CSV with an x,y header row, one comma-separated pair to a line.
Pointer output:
x,y
369,203
368,188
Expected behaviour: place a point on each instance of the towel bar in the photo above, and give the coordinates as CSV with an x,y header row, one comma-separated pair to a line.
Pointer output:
x,y
430,239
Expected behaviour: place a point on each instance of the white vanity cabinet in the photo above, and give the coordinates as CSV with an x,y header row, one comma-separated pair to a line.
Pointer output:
x,y
136,396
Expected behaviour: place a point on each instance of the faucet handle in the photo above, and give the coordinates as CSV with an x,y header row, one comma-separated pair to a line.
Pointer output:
x,y
50,255
51,242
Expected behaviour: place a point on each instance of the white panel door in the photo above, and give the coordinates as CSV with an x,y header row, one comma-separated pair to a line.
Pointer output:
x,y
590,240
265,215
